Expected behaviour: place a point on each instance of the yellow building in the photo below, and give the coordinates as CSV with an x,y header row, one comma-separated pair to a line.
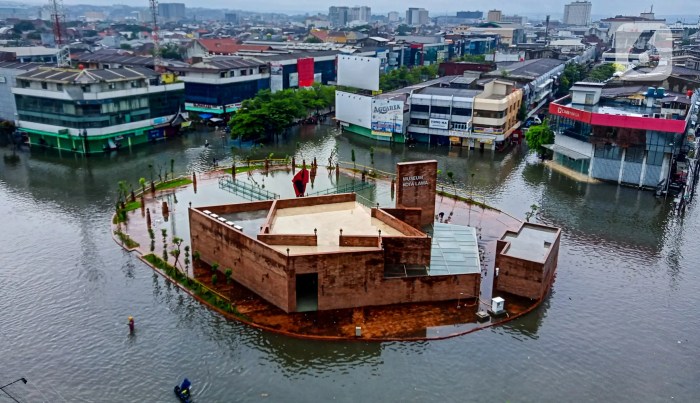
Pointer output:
x,y
495,114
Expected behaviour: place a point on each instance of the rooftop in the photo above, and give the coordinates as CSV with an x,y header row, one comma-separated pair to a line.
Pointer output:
x,y
30,50
531,243
86,76
448,92
529,69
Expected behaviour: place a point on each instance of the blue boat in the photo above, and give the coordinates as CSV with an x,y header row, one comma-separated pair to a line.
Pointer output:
x,y
183,391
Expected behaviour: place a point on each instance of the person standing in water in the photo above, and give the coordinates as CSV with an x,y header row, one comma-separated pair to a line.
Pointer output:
x,y
131,324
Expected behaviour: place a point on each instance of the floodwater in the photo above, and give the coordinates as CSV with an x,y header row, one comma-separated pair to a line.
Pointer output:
x,y
619,325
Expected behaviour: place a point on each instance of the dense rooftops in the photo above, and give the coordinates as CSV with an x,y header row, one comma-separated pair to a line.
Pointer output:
x,y
86,76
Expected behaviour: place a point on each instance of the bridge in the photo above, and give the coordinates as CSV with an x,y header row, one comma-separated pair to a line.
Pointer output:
x,y
245,189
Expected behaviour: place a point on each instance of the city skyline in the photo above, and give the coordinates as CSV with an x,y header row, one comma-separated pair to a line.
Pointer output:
x,y
435,7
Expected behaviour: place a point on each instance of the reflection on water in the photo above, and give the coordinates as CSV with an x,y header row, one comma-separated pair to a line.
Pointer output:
x,y
608,331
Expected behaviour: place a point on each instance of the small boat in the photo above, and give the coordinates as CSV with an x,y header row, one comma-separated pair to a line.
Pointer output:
x,y
183,391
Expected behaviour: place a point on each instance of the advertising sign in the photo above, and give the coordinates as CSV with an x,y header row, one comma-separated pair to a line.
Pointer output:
x,y
318,77
387,116
195,107
293,80
439,124
233,107
276,82
305,68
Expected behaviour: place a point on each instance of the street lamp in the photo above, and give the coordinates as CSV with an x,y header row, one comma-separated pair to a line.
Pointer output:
x,y
24,380
670,166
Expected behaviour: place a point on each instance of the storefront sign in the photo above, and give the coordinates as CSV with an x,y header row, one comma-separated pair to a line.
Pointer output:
x,y
382,134
439,124
195,107
571,113
233,107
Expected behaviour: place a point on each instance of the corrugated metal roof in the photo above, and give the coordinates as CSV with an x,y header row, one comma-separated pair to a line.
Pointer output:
x,y
86,76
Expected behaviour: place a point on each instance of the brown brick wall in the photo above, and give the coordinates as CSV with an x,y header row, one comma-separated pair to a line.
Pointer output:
x,y
392,221
407,250
288,239
238,207
413,192
351,280
315,200
253,264
359,240
523,277
411,216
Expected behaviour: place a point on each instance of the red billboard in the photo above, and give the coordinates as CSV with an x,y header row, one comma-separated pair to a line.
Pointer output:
x,y
571,113
305,68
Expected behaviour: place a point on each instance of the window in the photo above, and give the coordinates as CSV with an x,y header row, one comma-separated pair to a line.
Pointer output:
x,y
24,84
607,151
634,154
419,122
44,86
443,110
244,72
59,87
419,108
222,74
85,88
462,111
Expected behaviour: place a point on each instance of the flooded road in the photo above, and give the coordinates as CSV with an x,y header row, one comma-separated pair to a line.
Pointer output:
x,y
619,324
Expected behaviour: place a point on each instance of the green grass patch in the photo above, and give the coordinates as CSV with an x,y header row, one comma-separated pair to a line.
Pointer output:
x,y
173,183
210,296
134,205
244,168
126,240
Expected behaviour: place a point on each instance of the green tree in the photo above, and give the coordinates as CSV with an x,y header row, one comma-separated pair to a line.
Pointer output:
x,y
125,46
171,51
538,135
312,39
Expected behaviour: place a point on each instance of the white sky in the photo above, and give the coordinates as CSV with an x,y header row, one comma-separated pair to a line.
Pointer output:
x,y
691,8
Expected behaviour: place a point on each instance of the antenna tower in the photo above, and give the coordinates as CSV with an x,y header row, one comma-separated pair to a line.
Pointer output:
x,y
58,18
157,60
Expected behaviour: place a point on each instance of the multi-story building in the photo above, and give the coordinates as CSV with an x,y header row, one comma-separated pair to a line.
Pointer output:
x,y
494,117
218,86
628,135
8,79
514,19
359,13
440,115
577,13
170,12
89,111
471,15
338,16
417,16
393,16
231,18
494,16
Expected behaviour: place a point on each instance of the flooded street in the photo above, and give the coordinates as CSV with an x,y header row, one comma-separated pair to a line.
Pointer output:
x,y
619,324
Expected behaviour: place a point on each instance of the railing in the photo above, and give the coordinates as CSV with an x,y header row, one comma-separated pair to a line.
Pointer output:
x,y
245,189
347,188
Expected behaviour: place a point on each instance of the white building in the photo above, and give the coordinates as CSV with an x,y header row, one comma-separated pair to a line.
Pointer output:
x,y
394,16
578,13
417,16
359,13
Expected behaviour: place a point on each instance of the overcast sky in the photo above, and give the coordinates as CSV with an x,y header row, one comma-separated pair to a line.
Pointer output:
x,y
691,8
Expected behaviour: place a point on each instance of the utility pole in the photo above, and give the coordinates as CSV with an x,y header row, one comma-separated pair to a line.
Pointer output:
x,y
58,19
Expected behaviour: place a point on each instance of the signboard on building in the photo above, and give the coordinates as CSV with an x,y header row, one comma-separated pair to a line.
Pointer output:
x,y
233,107
416,186
571,113
487,130
293,80
439,124
381,134
387,115
318,78
276,81
195,107
305,68
358,72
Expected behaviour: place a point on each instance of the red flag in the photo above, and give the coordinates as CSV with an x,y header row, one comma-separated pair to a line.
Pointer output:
x,y
299,181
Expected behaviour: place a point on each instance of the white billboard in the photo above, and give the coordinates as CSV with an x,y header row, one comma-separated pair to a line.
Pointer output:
x,y
387,115
438,124
358,72
353,108
276,78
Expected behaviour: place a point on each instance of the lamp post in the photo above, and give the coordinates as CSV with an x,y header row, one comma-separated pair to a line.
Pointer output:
x,y
86,146
24,380
670,166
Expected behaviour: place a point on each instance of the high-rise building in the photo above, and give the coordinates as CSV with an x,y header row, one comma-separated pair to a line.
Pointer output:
x,y
577,13
417,16
169,12
394,16
514,19
231,18
494,16
338,16
359,13
472,15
